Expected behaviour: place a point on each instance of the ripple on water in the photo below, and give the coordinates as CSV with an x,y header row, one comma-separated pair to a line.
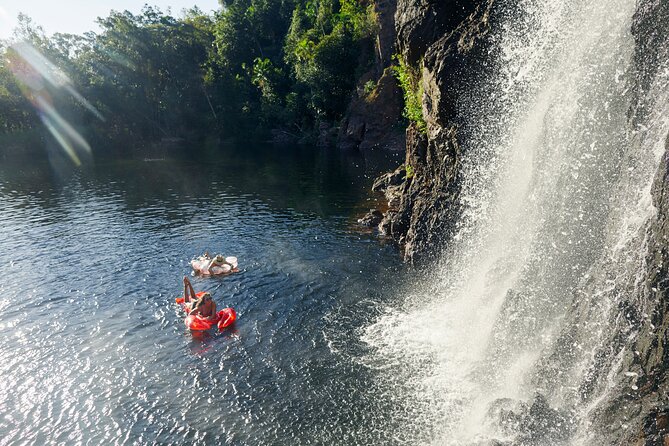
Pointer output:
x,y
95,349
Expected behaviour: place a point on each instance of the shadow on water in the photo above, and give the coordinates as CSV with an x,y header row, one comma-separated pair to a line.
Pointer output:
x,y
301,178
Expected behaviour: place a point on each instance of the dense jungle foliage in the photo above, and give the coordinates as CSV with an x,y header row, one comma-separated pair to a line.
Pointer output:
x,y
253,66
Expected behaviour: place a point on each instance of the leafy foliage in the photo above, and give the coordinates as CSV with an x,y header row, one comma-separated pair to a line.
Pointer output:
x,y
409,79
16,113
323,50
147,72
408,168
255,64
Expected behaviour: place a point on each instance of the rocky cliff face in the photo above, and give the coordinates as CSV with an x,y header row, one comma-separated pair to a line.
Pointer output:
x,y
445,40
373,115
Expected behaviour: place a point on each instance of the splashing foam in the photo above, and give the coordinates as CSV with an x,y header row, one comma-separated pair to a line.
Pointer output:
x,y
543,182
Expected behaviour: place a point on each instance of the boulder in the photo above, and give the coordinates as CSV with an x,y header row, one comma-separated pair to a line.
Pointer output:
x,y
372,218
386,180
532,424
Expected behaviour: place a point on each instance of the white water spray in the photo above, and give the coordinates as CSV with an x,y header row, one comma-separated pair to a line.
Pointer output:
x,y
545,181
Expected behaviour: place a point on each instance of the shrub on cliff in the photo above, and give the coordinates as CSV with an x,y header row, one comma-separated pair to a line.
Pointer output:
x,y
409,79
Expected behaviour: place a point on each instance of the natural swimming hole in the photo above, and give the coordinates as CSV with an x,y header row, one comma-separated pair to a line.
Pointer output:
x,y
95,350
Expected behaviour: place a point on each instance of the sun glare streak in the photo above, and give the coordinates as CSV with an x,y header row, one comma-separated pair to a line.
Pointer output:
x,y
64,143
36,74
58,120
82,100
43,66
118,58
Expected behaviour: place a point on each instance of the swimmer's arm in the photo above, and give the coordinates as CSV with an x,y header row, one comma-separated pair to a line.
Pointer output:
x,y
189,292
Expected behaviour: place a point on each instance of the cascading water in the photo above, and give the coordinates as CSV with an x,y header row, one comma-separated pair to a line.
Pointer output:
x,y
556,195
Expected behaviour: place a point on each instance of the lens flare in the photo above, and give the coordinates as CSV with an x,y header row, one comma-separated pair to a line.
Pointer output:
x,y
40,80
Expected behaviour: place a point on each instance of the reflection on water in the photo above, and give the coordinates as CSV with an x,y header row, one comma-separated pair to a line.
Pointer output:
x,y
94,349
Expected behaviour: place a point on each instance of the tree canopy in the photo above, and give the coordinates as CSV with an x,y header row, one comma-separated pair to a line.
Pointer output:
x,y
253,66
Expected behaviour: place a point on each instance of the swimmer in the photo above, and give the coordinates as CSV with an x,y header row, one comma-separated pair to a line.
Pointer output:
x,y
203,306
217,261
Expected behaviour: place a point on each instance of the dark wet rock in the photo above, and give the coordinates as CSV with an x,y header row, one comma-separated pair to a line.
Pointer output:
x,y
385,46
429,206
372,218
643,404
449,37
452,64
371,120
648,398
447,41
651,30
629,372
355,128
541,424
419,23
386,180
654,431
327,135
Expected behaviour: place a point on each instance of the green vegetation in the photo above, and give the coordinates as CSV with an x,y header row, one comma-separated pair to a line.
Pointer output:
x,y
254,66
369,87
409,171
409,79
142,77
16,113
322,52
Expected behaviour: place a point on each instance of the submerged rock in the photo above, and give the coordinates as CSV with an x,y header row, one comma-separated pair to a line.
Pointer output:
x,y
283,137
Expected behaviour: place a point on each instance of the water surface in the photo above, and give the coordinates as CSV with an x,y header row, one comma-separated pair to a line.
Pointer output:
x,y
94,349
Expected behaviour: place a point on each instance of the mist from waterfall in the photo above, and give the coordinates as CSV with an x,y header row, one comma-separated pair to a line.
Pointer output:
x,y
557,196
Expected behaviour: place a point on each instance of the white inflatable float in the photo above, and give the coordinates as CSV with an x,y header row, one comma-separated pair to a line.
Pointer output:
x,y
214,266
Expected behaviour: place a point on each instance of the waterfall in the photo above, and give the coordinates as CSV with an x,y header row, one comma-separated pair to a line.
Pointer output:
x,y
556,193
